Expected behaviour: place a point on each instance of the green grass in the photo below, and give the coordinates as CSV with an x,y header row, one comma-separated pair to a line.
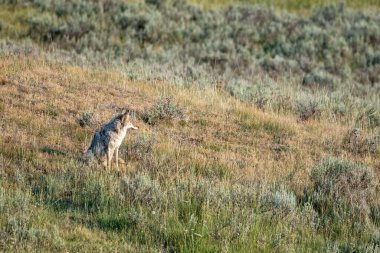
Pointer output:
x,y
298,6
187,216
82,210
12,20
232,179
238,160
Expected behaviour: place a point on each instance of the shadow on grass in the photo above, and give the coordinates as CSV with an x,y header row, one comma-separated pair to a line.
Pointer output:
x,y
53,151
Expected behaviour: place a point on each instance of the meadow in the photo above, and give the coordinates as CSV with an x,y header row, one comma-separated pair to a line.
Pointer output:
x,y
259,126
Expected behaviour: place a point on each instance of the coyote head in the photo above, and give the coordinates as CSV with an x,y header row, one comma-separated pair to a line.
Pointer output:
x,y
126,122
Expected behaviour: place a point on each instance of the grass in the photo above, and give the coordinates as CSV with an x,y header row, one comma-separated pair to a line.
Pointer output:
x,y
229,179
297,6
11,20
264,161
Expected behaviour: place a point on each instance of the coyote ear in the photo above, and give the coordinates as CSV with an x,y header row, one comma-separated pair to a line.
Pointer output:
x,y
124,117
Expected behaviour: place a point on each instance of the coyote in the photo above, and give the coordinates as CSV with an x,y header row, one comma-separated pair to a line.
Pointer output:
x,y
108,139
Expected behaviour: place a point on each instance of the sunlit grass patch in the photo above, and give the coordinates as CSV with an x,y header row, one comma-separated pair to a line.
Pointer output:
x,y
255,125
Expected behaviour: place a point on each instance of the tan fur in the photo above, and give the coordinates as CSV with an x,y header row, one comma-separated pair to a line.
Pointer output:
x,y
106,142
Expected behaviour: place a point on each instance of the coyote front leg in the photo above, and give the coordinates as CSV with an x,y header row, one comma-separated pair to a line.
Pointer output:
x,y
117,157
109,158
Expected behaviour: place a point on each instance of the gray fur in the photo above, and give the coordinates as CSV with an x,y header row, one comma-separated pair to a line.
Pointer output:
x,y
108,139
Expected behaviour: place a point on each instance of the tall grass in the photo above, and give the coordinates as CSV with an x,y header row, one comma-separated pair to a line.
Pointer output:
x,y
183,215
258,129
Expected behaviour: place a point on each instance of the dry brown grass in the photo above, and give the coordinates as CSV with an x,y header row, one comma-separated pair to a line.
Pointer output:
x,y
41,104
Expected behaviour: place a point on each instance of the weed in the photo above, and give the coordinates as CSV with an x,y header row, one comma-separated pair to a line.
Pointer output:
x,y
357,142
51,111
342,188
368,119
308,109
141,147
164,109
87,119
281,202
319,78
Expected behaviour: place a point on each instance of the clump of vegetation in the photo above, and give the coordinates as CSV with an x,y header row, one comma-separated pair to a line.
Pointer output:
x,y
16,222
369,119
87,119
13,223
143,189
342,189
165,109
280,201
278,66
308,109
51,111
157,3
319,78
141,148
358,142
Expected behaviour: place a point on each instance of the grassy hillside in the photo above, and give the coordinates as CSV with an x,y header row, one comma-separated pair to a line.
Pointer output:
x,y
222,176
259,130
331,46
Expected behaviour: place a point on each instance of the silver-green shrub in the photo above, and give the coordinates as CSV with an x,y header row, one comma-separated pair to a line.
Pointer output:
x,y
342,188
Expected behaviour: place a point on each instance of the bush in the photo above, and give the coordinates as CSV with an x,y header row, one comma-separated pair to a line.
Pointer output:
x,y
308,109
164,109
342,188
141,147
157,3
320,79
370,119
279,66
142,189
280,201
357,142
46,28
87,119
14,225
